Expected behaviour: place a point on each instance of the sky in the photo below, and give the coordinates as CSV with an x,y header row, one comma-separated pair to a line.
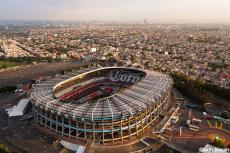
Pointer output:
x,y
196,11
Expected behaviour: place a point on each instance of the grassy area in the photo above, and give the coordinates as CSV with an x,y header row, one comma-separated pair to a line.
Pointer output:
x,y
7,64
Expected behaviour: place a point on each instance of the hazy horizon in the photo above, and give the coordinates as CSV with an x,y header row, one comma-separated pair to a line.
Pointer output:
x,y
165,11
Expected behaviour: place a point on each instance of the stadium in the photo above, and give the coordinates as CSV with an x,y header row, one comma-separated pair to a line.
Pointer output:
x,y
107,104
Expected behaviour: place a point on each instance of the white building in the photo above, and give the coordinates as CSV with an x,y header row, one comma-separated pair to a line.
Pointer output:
x,y
73,147
93,50
63,56
20,109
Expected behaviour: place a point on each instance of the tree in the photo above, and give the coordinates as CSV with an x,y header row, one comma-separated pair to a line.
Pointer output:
x,y
225,115
6,89
3,148
3,66
218,142
197,90
168,150
147,64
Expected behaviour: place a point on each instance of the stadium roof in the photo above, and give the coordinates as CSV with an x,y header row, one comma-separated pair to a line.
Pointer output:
x,y
135,98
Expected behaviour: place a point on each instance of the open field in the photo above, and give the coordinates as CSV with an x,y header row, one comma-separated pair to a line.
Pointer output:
x,y
7,64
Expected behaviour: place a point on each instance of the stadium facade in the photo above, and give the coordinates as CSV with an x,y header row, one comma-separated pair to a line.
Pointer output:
x,y
102,104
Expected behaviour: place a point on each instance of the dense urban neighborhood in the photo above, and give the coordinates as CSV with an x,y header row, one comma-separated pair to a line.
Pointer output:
x,y
199,51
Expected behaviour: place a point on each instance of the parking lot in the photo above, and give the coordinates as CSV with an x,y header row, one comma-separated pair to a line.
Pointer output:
x,y
22,135
15,76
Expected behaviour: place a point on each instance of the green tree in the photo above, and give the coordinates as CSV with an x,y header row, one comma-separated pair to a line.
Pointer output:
x,y
5,89
168,150
218,142
225,115
197,90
